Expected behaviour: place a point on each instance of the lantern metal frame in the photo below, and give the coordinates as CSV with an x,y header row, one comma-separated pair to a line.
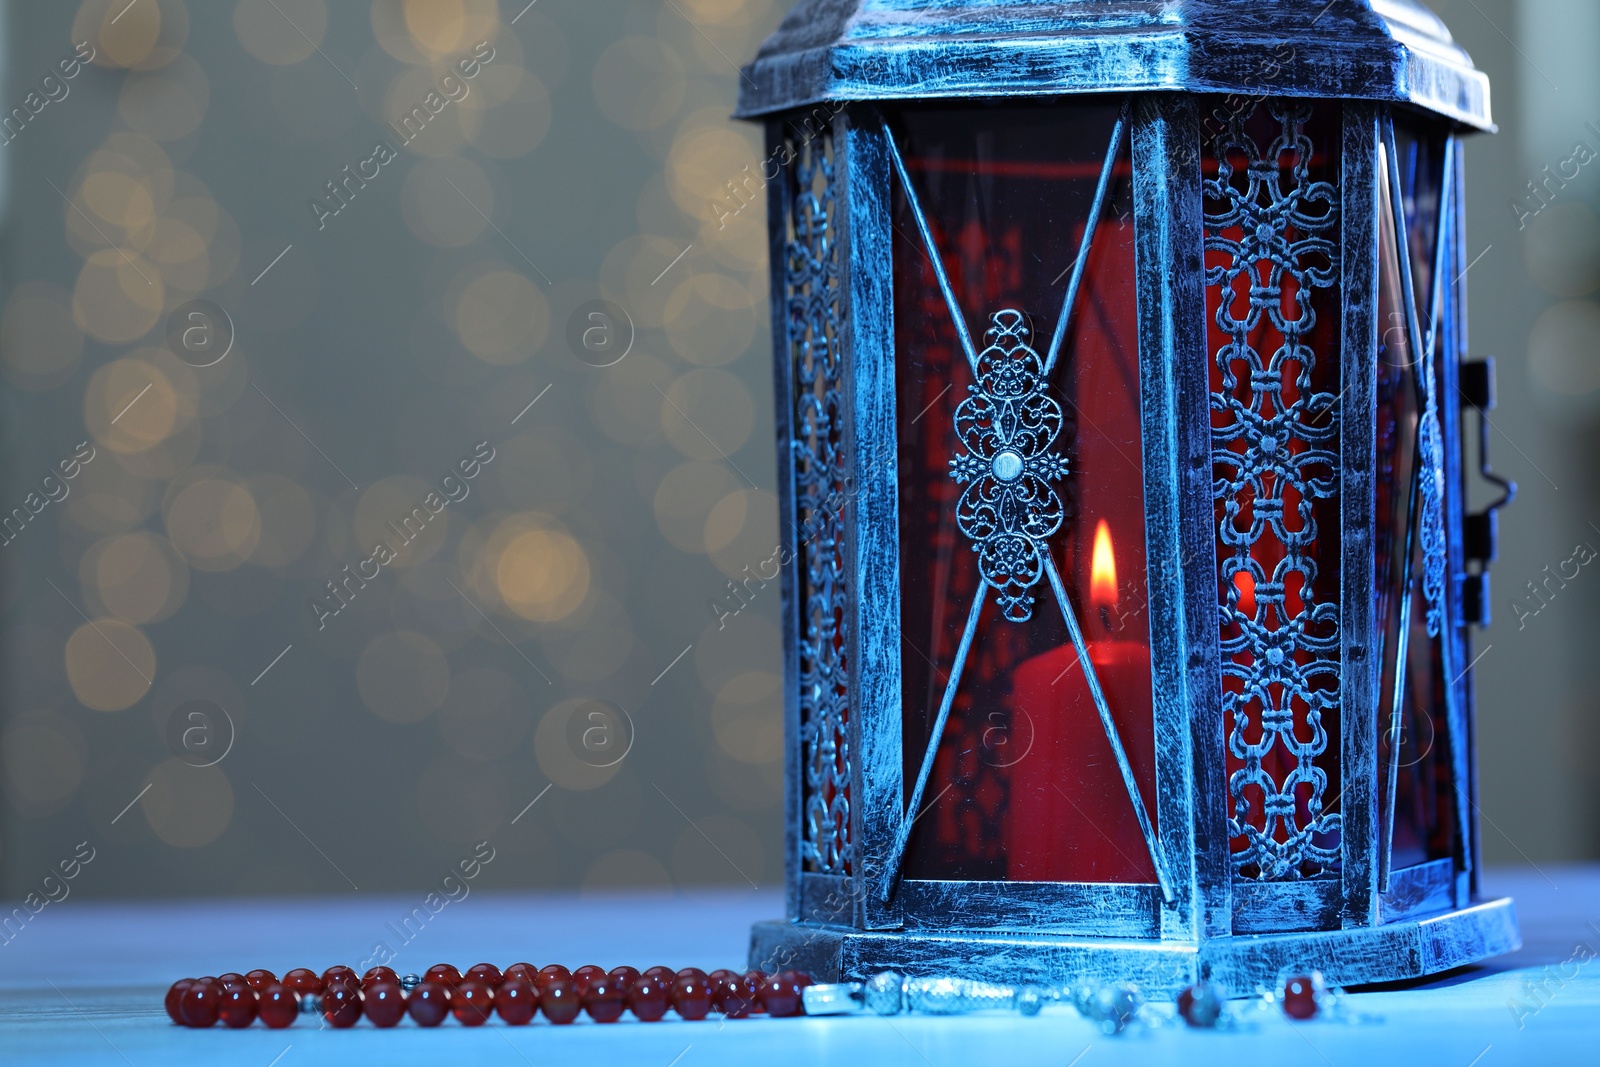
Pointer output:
x,y
826,85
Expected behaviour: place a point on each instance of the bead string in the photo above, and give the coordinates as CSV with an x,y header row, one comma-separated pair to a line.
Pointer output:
x,y
520,992
516,995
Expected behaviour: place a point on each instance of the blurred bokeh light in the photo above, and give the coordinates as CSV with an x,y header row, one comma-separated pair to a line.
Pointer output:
x,y
300,292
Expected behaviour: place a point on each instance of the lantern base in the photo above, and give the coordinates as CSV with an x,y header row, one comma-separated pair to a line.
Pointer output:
x,y
1239,964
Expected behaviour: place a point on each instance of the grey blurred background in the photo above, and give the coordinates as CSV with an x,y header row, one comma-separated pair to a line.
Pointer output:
x,y
546,633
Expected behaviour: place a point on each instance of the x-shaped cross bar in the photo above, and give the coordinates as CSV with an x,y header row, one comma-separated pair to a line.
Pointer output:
x,y
891,871
1422,348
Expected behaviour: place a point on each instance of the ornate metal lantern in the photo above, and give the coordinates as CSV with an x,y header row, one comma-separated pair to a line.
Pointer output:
x,y
1120,390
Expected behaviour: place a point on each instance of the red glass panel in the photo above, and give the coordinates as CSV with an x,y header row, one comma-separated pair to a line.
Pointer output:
x,y
1025,786
1424,818
1421,159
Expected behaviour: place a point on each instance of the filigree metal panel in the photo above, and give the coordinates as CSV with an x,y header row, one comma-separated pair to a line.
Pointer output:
x,y
1430,487
820,486
1271,238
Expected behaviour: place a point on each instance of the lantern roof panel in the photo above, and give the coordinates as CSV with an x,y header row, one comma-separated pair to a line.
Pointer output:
x,y
846,50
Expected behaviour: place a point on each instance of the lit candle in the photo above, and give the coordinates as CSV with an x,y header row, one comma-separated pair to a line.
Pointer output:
x,y
1072,820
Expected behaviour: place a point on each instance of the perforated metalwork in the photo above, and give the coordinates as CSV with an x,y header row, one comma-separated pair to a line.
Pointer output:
x,y
1275,453
820,485
1430,478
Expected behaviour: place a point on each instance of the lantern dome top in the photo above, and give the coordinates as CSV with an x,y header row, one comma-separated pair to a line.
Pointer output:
x,y
842,50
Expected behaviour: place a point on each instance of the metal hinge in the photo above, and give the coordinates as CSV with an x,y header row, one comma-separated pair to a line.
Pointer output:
x,y
1481,529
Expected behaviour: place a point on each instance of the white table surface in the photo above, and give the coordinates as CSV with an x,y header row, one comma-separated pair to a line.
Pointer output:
x,y
82,983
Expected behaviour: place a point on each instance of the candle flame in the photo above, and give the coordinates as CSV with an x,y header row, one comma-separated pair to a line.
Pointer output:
x,y
1103,569
1246,584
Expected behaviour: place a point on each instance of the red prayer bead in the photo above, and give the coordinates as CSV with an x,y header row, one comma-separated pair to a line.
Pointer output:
x,y
237,1008
351,989
550,972
175,997
339,973
586,974
379,976
231,978
429,1003
753,981
665,975
303,980
486,973
516,1000
625,976
781,995
259,979
605,1000
525,971
341,1003
198,1007
472,1003
384,1003
1200,1005
1299,997
560,1001
648,998
691,997
278,1006
729,995
444,974
695,972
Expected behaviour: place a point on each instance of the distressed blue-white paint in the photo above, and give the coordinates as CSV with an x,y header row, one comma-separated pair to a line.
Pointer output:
x,y
828,80
836,50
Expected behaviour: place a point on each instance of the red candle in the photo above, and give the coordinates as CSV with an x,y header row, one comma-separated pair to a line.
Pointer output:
x,y
1071,817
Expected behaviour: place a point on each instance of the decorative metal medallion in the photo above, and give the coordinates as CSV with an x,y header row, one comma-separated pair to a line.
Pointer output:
x,y
1008,425
811,266
1274,455
1430,454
